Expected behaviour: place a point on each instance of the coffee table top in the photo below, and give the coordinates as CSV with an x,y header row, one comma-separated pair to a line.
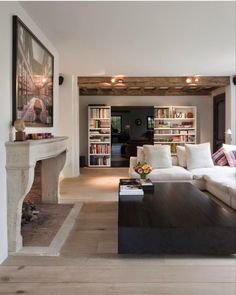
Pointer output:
x,y
173,205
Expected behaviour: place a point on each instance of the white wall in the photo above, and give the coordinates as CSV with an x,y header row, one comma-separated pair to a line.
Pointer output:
x,y
7,9
203,103
69,123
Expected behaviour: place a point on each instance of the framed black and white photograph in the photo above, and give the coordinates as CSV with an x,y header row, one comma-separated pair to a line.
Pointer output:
x,y
32,85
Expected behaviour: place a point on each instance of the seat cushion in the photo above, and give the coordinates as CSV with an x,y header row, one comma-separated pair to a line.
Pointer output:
x,y
232,193
176,173
219,189
215,171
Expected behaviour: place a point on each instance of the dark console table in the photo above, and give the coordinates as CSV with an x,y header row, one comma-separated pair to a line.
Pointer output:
x,y
176,219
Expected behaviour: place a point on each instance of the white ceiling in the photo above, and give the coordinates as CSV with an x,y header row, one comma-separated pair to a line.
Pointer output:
x,y
140,38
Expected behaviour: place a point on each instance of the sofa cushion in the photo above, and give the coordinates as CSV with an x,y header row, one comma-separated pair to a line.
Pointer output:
x,y
175,173
216,171
181,154
198,156
232,193
140,155
218,188
219,157
231,157
158,156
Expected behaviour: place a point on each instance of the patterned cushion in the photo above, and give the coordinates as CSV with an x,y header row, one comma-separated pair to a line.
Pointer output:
x,y
219,157
231,158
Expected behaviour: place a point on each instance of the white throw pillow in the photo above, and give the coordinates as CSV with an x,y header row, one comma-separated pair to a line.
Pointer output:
x,y
199,156
229,147
140,155
181,154
158,156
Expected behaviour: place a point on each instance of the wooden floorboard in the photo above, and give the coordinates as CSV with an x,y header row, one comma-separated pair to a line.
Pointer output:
x,y
89,263
119,289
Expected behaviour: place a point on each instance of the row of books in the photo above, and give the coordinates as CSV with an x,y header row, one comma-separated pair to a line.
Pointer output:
x,y
174,132
164,124
181,138
99,123
100,149
99,113
100,160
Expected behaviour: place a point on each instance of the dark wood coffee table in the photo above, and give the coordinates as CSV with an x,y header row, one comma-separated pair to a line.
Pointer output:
x,y
176,219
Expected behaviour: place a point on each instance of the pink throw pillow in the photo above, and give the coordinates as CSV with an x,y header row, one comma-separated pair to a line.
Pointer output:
x,y
219,157
231,158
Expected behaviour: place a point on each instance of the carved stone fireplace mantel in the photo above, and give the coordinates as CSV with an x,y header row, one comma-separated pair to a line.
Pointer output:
x,y
21,158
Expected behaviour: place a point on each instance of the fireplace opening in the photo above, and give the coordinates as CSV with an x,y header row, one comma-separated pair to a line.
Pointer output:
x,y
40,221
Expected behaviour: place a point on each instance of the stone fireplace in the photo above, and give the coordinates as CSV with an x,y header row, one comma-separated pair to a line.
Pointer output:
x,y
21,158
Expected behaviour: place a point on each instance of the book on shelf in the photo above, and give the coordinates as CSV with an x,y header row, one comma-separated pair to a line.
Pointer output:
x,y
99,113
99,160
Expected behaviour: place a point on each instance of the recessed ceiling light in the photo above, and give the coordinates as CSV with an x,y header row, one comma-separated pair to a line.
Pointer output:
x,y
164,87
149,87
134,87
188,80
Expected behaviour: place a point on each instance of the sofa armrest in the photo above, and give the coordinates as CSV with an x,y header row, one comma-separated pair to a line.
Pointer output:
x,y
132,162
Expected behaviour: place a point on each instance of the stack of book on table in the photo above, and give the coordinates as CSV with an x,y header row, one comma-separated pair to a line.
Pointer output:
x,y
130,187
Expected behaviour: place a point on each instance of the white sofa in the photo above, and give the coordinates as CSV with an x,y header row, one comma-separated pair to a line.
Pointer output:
x,y
219,180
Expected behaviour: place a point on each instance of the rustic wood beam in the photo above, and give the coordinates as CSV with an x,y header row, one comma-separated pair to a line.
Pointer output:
x,y
150,85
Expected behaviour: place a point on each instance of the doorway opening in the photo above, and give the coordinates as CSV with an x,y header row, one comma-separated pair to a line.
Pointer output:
x,y
219,121
131,126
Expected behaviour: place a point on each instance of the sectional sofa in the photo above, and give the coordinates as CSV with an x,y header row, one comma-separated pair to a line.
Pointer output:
x,y
220,181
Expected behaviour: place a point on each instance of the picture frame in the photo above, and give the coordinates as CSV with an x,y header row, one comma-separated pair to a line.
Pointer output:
x,y
33,77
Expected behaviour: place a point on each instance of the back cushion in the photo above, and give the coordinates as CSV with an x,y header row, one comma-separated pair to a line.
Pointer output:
x,y
158,156
219,157
181,154
198,156
140,155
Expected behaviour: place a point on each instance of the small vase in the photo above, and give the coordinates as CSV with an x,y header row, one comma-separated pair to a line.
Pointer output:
x,y
143,176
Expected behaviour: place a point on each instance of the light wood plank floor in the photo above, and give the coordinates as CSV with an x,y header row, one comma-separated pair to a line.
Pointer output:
x,y
88,263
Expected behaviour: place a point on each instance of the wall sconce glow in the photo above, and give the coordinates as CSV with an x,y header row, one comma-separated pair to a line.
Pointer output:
x,y
196,79
44,80
113,80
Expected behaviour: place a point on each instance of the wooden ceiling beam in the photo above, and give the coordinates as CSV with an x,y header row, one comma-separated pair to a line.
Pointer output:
x,y
150,85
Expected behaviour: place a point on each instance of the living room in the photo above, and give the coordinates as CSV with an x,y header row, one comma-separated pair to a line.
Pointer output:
x,y
138,44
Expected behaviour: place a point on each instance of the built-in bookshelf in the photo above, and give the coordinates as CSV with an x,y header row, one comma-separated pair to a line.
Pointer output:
x,y
175,125
99,136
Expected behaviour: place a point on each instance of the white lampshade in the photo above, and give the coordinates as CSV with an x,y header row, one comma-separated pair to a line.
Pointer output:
x,y
228,131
